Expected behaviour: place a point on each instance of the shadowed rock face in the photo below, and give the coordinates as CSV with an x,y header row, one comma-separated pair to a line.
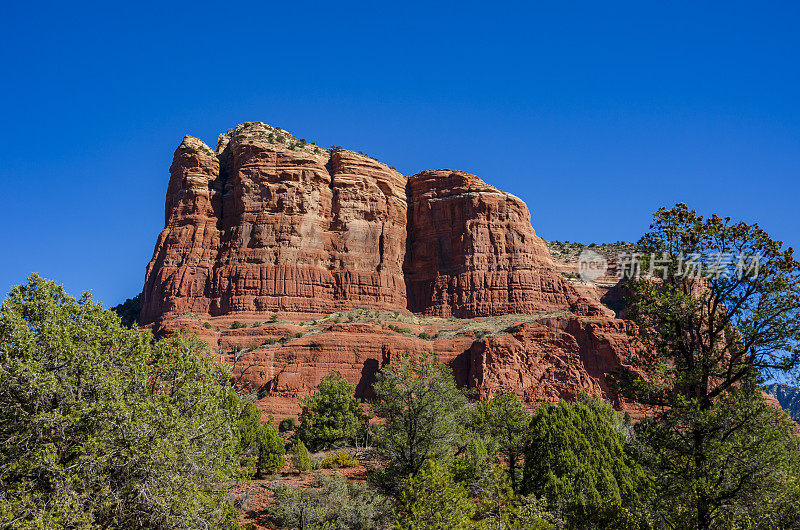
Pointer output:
x,y
258,227
268,225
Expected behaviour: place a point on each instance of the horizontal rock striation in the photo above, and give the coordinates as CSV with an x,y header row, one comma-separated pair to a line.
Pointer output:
x,y
293,240
264,226
266,223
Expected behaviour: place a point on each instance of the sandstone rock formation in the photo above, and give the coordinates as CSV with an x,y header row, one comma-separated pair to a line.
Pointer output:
x,y
340,251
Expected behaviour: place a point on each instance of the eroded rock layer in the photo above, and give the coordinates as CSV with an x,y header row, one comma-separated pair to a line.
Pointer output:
x,y
266,226
335,261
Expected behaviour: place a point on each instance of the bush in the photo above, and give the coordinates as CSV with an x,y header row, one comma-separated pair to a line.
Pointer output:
x,y
425,336
273,318
207,325
237,325
332,416
287,425
301,459
298,335
339,460
332,502
398,329
101,425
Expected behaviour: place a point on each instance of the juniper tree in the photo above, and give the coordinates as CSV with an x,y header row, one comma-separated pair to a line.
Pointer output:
x,y
722,310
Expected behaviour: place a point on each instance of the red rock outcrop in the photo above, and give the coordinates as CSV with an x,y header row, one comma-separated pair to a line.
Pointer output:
x,y
268,226
473,252
261,225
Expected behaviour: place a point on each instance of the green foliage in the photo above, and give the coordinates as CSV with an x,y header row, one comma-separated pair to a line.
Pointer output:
x,y
576,459
471,467
129,310
100,427
746,473
422,409
499,507
332,503
398,329
261,440
338,460
287,425
508,420
706,340
425,336
432,499
237,325
207,325
273,318
301,459
332,416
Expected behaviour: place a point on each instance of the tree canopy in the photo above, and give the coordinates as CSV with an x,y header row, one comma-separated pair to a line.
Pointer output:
x,y
101,427
331,416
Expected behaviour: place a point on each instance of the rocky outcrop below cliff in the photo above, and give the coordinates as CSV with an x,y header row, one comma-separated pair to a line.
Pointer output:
x,y
272,244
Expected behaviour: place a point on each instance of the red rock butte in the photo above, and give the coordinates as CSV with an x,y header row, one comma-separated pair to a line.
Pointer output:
x,y
293,260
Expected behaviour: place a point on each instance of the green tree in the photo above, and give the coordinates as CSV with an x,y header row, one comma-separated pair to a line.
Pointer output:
x,y
422,408
707,330
332,416
260,439
749,476
501,508
508,421
102,428
576,459
301,459
431,499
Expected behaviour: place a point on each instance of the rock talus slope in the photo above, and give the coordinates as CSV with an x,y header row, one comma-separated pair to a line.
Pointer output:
x,y
266,226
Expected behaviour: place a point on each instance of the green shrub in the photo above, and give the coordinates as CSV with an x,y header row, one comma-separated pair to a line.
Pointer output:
x,y
399,329
332,502
425,336
255,324
102,425
206,325
237,325
271,341
287,425
331,416
301,459
432,499
298,335
260,439
273,318
338,460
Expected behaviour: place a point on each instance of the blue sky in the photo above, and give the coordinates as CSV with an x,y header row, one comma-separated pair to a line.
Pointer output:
x,y
594,113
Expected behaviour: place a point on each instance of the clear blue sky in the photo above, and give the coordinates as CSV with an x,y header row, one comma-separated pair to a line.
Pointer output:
x,y
594,113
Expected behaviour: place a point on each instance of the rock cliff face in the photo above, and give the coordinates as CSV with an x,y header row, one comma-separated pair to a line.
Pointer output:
x,y
268,226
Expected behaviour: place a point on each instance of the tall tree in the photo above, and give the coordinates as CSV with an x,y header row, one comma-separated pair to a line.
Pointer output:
x,y
422,409
508,421
722,308
102,428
